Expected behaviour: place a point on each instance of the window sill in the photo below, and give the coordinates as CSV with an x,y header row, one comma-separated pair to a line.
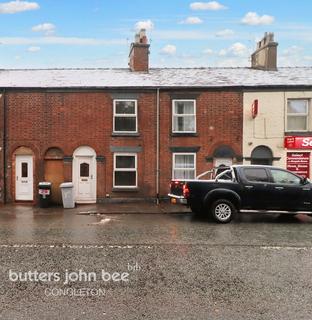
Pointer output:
x,y
125,134
298,133
123,189
184,134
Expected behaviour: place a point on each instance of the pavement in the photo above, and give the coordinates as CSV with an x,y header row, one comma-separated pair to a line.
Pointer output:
x,y
179,266
99,208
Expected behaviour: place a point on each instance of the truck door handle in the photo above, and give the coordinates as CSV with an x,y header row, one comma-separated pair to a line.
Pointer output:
x,y
248,187
279,188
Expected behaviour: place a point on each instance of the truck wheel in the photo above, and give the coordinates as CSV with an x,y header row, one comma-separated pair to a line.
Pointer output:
x,y
223,211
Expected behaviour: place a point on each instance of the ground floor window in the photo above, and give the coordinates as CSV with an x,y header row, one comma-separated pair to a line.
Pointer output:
x,y
184,166
125,170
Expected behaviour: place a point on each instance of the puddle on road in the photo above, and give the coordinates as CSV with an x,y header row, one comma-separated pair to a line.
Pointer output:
x,y
103,221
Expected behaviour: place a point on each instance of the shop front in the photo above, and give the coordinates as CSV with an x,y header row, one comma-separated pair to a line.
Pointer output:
x,y
298,157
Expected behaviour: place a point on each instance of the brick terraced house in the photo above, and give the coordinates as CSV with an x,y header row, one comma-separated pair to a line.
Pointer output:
x,y
124,133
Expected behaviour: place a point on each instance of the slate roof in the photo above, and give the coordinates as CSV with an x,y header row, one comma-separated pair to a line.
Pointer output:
x,y
162,78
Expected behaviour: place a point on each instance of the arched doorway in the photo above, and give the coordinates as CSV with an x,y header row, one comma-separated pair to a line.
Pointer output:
x,y
84,175
262,155
54,172
24,174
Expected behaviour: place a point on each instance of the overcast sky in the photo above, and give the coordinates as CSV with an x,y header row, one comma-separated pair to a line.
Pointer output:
x,y
98,33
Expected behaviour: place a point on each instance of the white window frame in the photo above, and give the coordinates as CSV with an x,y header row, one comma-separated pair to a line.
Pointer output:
x,y
306,115
135,169
126,115
185,169
186,114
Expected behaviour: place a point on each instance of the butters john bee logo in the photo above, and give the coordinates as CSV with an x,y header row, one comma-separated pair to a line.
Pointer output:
x,y
68,276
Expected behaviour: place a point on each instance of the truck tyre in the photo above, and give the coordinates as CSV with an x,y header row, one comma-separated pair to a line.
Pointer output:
x,y
223,211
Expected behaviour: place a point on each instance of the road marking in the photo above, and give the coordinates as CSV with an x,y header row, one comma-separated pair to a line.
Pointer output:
x,y
73,246
285,248
147,246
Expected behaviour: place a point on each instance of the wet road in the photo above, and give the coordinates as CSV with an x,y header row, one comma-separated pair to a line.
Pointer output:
x,y
177,266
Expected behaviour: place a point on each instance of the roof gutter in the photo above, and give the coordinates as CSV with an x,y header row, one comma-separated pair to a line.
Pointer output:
x,y
255,87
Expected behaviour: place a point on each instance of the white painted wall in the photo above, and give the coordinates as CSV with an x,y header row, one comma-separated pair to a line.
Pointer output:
x,y
268,128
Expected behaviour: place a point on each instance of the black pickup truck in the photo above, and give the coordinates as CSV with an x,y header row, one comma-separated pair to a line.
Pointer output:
x,y
245,187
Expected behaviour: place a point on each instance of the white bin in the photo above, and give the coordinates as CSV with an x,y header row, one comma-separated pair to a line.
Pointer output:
x,y
68,195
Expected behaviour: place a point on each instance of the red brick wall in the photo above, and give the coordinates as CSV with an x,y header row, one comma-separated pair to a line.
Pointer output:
x,y
219,118
1,149
41,120
139,57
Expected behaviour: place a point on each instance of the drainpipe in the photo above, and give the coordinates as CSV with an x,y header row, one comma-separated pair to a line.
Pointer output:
x,y
157,145
4,147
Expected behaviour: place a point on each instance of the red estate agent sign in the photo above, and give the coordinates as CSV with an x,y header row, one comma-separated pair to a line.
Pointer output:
x,y
298,142
299,163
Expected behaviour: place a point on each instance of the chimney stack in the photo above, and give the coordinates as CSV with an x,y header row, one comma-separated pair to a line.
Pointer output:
x,y
139,53
265,56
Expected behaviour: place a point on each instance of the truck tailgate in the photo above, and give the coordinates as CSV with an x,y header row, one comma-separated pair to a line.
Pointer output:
x,y
176,192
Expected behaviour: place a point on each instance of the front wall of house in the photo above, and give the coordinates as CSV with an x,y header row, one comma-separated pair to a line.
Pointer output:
x,y
218,123
50,126
68,120
269,127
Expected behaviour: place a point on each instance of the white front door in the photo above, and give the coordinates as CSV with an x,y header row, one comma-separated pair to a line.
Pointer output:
x,y
24,188
85,179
